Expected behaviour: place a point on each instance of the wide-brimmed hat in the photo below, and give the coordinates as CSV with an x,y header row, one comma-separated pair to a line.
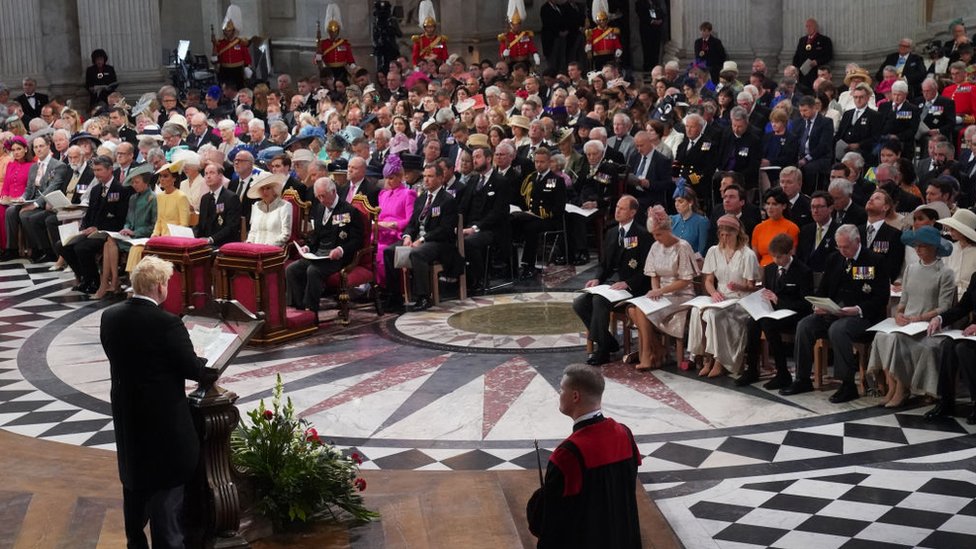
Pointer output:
x,y
302,155
939,207
143,169
263,180
963,221
150,130
172,167
858,73
519,121
730,66
929,236
81,136
187,157
478,140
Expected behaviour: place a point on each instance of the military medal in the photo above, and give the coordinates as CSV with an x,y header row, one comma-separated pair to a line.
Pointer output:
x,y
701,53
866,288
809,47
343,235
220,220
632,263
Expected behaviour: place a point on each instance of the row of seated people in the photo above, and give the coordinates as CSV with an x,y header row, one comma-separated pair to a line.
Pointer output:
x,y
659,264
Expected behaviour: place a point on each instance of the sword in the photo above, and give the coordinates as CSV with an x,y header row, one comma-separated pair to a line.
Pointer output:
x,y
538,459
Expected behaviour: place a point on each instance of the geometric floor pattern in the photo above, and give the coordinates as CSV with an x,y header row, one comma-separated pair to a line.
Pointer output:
x,y
728,466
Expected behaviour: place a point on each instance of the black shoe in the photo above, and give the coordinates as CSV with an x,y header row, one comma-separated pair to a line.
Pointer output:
x,y
942,409
393,303
8,255
778,383
89,288
528,272
971,418
78,287
422,304
844,394
559,260
598,358
797,387
36,256
582,259
749,377
47,258
612,345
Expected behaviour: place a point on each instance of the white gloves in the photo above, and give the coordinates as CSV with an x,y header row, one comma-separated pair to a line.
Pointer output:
x,y
248,73
588,48
506,53
535,59
318,57
213,58
618,53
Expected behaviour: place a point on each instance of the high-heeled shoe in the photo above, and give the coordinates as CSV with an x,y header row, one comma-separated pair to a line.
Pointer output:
x,y
706,367
717,370
898,403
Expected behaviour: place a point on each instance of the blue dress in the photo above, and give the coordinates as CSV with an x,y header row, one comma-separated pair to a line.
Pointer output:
x,y
693,230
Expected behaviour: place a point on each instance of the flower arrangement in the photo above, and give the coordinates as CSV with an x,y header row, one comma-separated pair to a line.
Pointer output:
x,y
297,476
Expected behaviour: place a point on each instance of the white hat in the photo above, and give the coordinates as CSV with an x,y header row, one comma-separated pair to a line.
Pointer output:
x,y
173,167
939,207
515,11
233,16
963,221
187,157
263,180
730,66
426,126
302,155
425,13
600,10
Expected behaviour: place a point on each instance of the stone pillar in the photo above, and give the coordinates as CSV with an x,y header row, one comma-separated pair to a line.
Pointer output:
x,y
21,44
128,30
766,32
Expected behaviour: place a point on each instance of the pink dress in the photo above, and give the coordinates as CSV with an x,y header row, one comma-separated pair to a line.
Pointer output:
x,y
395,205
14,183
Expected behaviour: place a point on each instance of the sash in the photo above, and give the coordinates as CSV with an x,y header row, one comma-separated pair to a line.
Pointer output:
x,y
604,35
334,45
518,39
429,47
229,45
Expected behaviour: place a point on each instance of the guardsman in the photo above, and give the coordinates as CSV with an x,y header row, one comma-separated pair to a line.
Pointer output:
x,y
517,45
334,54
231,53
428,45
603,43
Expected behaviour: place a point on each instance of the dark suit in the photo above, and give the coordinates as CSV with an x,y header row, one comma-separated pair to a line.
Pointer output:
x,y
130,136
156,441
800,210
750,216
366,187
809,252
780,150
700,160
940,115
651,19
545,196
657,171
712,54
55,179
758,118
819,48
887,244
220,221
195,141
50,239
30,112
437,225
913,71
958,353
865,133
340,228
627,263
105,213
854,215
902,122
816,147
742,154
240,188
487,209
865,285
791,290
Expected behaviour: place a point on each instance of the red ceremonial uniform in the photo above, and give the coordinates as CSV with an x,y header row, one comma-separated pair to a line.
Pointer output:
x,y
520,45
424,46
232,53
336,53
964,96
605,41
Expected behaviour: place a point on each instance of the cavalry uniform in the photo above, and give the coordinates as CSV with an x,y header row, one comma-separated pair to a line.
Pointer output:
x,y
425,46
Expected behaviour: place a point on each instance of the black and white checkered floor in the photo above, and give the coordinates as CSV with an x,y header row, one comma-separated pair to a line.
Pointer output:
x,y
729,467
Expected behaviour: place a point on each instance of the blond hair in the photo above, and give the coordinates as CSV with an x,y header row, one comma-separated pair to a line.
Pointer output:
x,y
150,272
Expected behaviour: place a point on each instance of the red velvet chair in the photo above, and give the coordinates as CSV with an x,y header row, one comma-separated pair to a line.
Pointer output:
x,y
362,270
254,275
300,224
190,286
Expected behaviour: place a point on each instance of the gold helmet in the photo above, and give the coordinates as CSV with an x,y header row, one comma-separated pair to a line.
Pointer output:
x,y
232,20
333,18
426,15
600,11
515,12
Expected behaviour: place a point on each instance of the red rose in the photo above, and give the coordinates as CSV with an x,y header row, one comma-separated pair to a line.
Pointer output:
x,y
311,435
357,458
268,415
360,484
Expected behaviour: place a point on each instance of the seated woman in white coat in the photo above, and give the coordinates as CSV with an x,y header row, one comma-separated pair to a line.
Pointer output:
x,y
731,270
271,216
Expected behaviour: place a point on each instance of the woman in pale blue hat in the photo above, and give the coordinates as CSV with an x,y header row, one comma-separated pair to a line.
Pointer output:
x,y
911,363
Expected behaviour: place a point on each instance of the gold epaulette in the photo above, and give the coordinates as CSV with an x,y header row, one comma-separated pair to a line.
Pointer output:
x,y
443,38
530,34
502,37
416,37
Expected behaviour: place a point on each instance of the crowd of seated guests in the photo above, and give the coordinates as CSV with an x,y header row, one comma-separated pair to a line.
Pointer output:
x,y
718,167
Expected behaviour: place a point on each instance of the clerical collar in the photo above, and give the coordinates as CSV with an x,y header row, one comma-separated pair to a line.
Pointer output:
x,y
588,416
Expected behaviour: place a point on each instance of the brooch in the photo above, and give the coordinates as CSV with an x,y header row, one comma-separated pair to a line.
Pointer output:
x,y
343,234
632,263
866,288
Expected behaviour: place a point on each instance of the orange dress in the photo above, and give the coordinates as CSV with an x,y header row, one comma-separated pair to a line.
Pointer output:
x,y
764,233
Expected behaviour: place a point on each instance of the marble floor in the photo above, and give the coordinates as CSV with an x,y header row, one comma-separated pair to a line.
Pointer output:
x,y
451,389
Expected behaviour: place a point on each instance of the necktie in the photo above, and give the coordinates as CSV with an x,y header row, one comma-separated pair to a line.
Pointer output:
x,y
871,231
857,116
70,191
426,211
616,146
481,183
640,167
900,65
242,189
779,278
351,193
41,168
848,265
806,137
820,233
620,237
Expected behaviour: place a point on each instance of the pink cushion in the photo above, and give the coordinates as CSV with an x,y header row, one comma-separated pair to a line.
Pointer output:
x,y
299,319
244,249
176,243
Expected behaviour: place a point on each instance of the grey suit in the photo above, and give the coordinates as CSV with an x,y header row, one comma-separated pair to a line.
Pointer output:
x,y
55,178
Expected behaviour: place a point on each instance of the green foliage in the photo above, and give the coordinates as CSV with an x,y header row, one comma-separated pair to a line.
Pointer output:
x,y
297,476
